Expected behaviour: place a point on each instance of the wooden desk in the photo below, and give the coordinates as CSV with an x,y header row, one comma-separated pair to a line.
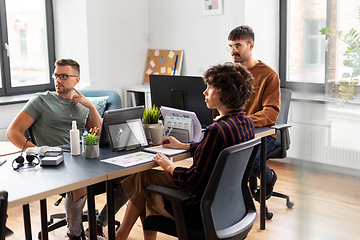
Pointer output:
x,y
7,148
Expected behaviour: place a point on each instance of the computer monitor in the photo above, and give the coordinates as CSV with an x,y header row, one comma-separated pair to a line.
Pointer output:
x,y
118,115
181,92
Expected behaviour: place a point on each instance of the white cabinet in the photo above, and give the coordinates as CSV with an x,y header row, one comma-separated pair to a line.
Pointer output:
x,y
137,95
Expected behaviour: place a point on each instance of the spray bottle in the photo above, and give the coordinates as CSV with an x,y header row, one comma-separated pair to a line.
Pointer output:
x,y
74,139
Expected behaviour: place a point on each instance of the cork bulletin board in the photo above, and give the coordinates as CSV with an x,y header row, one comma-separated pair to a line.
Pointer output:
x,y
163,62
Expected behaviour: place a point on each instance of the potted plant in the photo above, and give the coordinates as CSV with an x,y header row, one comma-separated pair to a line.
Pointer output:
x,y
349,79
150,117
91,146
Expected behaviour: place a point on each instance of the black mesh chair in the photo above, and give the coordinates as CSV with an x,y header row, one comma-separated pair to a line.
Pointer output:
x,y
282,145
227,207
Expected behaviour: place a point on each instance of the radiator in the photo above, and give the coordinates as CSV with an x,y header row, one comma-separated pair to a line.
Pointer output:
x,y
324,144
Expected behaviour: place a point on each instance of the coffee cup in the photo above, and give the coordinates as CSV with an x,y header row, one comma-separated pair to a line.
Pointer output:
x,y
156,133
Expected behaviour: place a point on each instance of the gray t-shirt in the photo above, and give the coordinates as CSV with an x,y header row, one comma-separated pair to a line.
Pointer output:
x,y
53,120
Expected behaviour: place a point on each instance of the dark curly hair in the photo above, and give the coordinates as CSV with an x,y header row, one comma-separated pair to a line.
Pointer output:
x,y
234,83
68,62
242,33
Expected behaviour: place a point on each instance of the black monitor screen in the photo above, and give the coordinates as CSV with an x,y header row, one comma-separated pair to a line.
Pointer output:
x,y
182,92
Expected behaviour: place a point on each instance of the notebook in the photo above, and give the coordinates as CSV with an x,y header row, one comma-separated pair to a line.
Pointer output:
x,y
164,150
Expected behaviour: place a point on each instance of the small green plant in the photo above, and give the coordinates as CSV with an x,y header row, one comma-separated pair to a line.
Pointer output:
x,y
151,115
91,139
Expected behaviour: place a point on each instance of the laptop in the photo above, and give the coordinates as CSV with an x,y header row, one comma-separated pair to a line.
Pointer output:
x,y
124,135
117,116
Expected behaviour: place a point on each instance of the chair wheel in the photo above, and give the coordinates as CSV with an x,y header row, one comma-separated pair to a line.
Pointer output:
x,y
290,204
269,215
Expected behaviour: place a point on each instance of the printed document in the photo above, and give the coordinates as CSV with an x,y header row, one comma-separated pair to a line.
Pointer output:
x,y
130,159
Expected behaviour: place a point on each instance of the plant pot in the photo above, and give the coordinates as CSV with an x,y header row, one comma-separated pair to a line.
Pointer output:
x,y
92,151
147,131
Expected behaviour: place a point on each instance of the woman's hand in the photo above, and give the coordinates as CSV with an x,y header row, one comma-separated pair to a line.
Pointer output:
x,y
164,162
171,142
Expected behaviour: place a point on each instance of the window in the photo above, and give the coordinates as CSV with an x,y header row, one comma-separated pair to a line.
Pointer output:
x,y
22,38
26,34
302,53
308,60
314,44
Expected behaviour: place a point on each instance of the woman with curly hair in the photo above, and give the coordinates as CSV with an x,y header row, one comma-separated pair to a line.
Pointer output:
x,y
228,88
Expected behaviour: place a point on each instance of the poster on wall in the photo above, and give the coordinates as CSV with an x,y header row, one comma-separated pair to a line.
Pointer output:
x,y
163,62
212,7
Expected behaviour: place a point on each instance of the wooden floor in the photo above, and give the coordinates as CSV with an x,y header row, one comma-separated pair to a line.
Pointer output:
x,y
327,206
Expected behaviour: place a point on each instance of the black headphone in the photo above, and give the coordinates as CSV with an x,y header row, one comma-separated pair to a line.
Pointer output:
x,y
29,158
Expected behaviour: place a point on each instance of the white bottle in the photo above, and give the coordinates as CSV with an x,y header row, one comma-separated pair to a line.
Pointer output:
x,y
74,139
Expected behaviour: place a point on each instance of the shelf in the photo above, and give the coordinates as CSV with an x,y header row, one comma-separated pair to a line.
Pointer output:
x,y
137,95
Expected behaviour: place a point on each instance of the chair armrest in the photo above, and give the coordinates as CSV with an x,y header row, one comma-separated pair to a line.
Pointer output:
x,y
281,126
169,193
175,198
285,138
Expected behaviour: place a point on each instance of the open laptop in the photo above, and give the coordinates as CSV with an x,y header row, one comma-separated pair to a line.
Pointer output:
x,y
116,116
126,134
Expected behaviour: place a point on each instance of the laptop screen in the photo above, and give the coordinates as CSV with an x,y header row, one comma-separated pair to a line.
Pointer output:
x,y
116,116
126,134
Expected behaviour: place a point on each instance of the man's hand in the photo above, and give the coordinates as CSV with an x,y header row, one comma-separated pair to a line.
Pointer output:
x,y
79,98
164,162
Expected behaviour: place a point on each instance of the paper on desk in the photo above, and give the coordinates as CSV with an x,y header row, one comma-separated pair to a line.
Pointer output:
x,y
168,111
130,159
164,150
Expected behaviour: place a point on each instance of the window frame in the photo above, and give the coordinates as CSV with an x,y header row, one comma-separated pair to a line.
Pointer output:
x,y
283,54
6,88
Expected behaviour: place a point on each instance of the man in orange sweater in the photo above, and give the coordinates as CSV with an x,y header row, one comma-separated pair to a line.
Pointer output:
x,y
264,103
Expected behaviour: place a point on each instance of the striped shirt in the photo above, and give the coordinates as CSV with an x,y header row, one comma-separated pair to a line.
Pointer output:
x,y
233,128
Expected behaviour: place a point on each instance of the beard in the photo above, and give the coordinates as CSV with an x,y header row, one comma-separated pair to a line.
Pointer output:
x,y
237,58
62,89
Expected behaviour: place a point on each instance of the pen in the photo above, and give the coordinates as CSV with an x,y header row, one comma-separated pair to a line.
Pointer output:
x,y
176,59
97,129
172,126
2,162
90,131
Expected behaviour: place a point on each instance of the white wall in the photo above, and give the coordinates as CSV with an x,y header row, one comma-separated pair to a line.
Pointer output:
x,y
181,25
110,38
71,37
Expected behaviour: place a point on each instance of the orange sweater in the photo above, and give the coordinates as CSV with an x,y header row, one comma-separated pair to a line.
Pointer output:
x,y
264,103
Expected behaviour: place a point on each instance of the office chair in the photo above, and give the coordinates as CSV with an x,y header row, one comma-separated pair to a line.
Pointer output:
x,y
113,102
4,231
282,145
227,207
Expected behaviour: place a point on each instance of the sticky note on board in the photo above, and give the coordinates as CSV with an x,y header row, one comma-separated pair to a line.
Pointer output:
x,y
169,70
152,63
157,52
162,69
156,73
162,59
171,54
149,71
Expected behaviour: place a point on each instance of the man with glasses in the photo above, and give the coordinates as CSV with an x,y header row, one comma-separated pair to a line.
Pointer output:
x,y
50,116
264,103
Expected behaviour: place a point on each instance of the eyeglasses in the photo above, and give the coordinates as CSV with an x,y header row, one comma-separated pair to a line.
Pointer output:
x,y
236,47
62,76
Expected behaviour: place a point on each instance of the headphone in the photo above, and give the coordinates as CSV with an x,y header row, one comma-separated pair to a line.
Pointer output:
x,y
19,161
